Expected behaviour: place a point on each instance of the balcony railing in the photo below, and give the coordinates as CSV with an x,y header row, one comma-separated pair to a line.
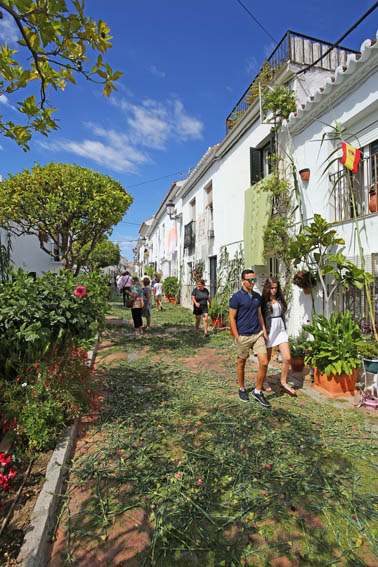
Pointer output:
x,y
189,235
296,48
360,184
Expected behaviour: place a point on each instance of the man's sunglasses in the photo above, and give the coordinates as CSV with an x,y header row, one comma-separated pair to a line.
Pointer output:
x,y
250,280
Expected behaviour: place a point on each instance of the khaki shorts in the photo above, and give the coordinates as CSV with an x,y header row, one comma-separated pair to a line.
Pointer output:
x,y
246,343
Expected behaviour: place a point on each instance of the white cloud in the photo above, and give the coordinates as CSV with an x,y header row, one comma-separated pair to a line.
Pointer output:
x,y
4,100
252,66
155,71
8,29
153,123
150,124
112,154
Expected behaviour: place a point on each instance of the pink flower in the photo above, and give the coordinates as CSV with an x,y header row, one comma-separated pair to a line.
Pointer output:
x,y
80,291
199,481
177,476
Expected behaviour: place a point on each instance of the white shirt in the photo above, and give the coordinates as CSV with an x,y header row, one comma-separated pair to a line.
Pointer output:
x,y
158,287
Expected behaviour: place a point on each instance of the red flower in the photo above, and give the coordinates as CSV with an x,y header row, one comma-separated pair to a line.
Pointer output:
x,y
80,291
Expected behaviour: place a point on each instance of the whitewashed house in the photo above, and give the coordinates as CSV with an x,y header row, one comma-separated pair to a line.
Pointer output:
x,y
26,254
217,198
350,98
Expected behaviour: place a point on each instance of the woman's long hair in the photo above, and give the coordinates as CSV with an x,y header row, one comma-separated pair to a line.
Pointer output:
x,y
266,293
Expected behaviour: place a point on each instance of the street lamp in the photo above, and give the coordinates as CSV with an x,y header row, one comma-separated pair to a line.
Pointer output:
x,y
170,208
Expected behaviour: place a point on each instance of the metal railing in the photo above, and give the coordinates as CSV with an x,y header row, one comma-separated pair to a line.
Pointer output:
x,y
363,185
296,48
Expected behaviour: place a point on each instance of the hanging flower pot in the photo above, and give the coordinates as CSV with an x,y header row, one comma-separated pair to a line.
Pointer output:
x,y
305,174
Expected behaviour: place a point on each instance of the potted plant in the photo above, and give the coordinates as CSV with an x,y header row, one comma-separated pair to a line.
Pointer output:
x,y
369,353
373,198
217,313
305,280
171,288
334,353
297,351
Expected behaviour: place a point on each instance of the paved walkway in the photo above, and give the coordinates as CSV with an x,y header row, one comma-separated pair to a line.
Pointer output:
x,y
176,472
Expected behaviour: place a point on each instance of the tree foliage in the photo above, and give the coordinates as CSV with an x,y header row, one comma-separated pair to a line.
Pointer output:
x,y
70,206
104,254
55,37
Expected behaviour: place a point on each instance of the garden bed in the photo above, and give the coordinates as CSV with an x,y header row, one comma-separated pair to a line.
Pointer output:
x,y
12,538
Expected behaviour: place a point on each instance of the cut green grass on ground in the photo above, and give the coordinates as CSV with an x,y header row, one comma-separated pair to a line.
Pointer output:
x,y
214,482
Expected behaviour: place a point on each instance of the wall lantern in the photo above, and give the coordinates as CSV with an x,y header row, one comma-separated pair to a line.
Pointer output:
x,y
170,208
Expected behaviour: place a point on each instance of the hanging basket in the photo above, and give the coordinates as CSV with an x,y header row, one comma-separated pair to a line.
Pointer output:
x,y
305,174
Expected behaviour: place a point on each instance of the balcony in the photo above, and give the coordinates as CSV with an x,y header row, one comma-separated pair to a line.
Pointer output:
x,y
189,235
362,183
295,48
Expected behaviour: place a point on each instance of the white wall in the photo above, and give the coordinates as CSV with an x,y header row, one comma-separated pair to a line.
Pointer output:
x,y
26,254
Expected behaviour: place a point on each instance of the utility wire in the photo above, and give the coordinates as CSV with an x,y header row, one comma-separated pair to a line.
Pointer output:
x,y
153,180
256,20
339,40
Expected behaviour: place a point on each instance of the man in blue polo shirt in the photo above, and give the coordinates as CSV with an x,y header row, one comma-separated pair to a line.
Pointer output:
x,y
247,326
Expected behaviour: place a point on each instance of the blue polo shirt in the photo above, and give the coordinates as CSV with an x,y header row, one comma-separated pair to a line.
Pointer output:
x,y
247,321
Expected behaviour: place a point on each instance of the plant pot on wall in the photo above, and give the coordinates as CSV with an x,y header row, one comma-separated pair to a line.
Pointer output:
x,y
305,174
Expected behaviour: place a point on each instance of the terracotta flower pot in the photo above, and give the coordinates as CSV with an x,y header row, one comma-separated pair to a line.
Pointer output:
x,y
305,174
306,290
297,364
217,322
373,203
172,300
335,386
167,299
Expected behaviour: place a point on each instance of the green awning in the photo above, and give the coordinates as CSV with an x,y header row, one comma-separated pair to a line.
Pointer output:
x,y
257,211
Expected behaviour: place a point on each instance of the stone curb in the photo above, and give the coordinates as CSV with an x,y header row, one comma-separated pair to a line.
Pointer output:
x,y
37,537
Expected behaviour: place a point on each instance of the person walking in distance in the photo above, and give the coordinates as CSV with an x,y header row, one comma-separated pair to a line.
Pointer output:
x,y
147,302
158,293
273,308
247,326
200,298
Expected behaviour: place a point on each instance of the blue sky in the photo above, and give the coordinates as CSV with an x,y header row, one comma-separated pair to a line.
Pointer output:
x,y
185,66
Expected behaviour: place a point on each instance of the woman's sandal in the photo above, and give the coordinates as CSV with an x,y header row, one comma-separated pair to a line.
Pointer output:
x,y
266,387
289,389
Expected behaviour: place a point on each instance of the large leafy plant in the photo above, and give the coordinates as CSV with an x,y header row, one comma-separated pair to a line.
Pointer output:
x,y
335,345
315,246
42,317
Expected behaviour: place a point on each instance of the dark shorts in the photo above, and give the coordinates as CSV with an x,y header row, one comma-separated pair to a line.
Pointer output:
x,y
200,310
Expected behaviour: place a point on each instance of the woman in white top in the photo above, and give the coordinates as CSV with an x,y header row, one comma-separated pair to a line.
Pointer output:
x,y
158,293
273,307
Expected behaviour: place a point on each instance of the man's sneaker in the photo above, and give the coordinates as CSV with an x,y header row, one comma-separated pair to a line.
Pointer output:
x,y
243,395
261,399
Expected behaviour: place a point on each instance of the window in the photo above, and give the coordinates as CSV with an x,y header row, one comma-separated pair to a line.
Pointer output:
x,y
354,299
260,160
357,184
209,210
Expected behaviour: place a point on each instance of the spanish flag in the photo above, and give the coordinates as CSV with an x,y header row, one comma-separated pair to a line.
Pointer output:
x,y
351,156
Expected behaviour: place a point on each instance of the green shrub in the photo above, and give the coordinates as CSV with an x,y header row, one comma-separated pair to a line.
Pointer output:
x,y
45,397
45,316
171,286
335,345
